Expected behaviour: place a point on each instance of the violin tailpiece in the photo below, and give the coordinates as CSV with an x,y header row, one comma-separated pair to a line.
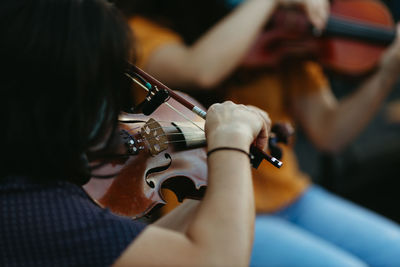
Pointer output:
x,y
155,136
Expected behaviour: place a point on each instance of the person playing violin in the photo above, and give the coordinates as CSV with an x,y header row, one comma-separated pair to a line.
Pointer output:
x,y
62,90
297,221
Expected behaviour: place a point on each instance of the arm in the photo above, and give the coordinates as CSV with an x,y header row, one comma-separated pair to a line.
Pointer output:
x,y
219,51
215,54
317,10
217,231
332,124
180,217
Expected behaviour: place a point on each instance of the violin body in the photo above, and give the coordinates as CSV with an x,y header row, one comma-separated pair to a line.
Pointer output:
x,y
356,34
180,166
164,150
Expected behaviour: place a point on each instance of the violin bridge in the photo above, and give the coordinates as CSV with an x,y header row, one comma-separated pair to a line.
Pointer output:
x,y
155,136
193,136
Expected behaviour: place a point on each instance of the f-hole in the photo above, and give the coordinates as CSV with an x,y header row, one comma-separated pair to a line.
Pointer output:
x,y
158,169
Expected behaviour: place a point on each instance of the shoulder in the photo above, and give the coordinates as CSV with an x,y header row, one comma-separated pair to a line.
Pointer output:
x,y
147,30
59,224
150,36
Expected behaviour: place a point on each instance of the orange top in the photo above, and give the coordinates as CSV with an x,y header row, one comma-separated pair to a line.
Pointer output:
x,y
273,91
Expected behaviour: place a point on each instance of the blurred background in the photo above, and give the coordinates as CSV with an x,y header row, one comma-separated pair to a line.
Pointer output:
x,y
368,170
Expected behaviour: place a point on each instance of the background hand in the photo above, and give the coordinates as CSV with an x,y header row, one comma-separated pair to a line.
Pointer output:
x,y
317,10
390,60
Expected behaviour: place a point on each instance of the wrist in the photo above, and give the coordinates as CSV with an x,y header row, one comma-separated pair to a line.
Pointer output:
x,y
390,62
391,67
233,138
229,148
388,74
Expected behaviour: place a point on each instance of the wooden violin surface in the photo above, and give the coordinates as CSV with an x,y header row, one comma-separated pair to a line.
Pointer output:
x,y
136,188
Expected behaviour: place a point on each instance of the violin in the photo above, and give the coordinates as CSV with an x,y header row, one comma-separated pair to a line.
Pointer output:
x,y
164,149
356,34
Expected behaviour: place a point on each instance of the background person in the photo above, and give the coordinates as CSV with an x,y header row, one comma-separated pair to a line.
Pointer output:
x,y
291,211
62,92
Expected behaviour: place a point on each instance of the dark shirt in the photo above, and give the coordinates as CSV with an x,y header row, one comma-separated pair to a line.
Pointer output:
x,y
57,224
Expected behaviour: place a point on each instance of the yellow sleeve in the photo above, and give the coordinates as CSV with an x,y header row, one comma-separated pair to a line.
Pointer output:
x,y
306,78
150,36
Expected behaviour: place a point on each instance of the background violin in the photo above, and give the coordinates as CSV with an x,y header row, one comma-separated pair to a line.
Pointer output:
x,y
355,36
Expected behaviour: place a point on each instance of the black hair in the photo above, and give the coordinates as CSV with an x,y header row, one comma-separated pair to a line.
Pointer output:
x,y
62,84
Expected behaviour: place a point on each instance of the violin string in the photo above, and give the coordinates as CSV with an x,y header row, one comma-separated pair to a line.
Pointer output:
x,y
178,141
167,104
167,134
138,127
144,122
154,122
171,134
181,141
162,127
183,115
131,131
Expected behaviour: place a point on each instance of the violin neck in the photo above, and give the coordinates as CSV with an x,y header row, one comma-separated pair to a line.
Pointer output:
x,y
346,28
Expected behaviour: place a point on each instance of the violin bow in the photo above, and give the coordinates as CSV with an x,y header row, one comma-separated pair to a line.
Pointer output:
x,y
159,94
